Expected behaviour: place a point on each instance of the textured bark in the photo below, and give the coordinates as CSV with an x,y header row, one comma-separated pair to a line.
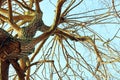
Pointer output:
x,y
8,45
4,70
4,64
9,51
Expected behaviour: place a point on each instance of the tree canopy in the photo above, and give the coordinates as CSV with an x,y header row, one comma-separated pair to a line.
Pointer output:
x,y
60,39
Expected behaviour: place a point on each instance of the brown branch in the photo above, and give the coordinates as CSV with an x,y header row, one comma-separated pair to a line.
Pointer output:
x,y
9,46
10,11
28,70
113,4
45,35
67,35
56,71
18,70
38,62
38,49
15,26
4,12
4,67
37,6
70,7
23,17
29,32
57,16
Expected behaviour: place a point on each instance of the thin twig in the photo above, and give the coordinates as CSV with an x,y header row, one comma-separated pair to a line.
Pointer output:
x,y
115,8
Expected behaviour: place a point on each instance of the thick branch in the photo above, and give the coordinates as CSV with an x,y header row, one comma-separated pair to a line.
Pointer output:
x,y
4,12
19,71
57,16
10,11
4,66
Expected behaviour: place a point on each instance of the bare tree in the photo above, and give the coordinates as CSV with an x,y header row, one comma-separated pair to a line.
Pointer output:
x,y
82,42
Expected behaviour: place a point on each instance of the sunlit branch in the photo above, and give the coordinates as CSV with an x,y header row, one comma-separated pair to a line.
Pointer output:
x,y
57,16
23,17
28,70
17,29
4,12
75,38
53,27
85,39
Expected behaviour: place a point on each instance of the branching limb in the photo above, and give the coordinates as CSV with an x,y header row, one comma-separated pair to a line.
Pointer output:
x,y
46,34
70,8
26,7
113,4
18,69
57,16
4,68
15,26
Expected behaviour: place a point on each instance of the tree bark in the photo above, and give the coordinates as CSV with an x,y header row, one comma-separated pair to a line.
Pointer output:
x,y
9,51
4,68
